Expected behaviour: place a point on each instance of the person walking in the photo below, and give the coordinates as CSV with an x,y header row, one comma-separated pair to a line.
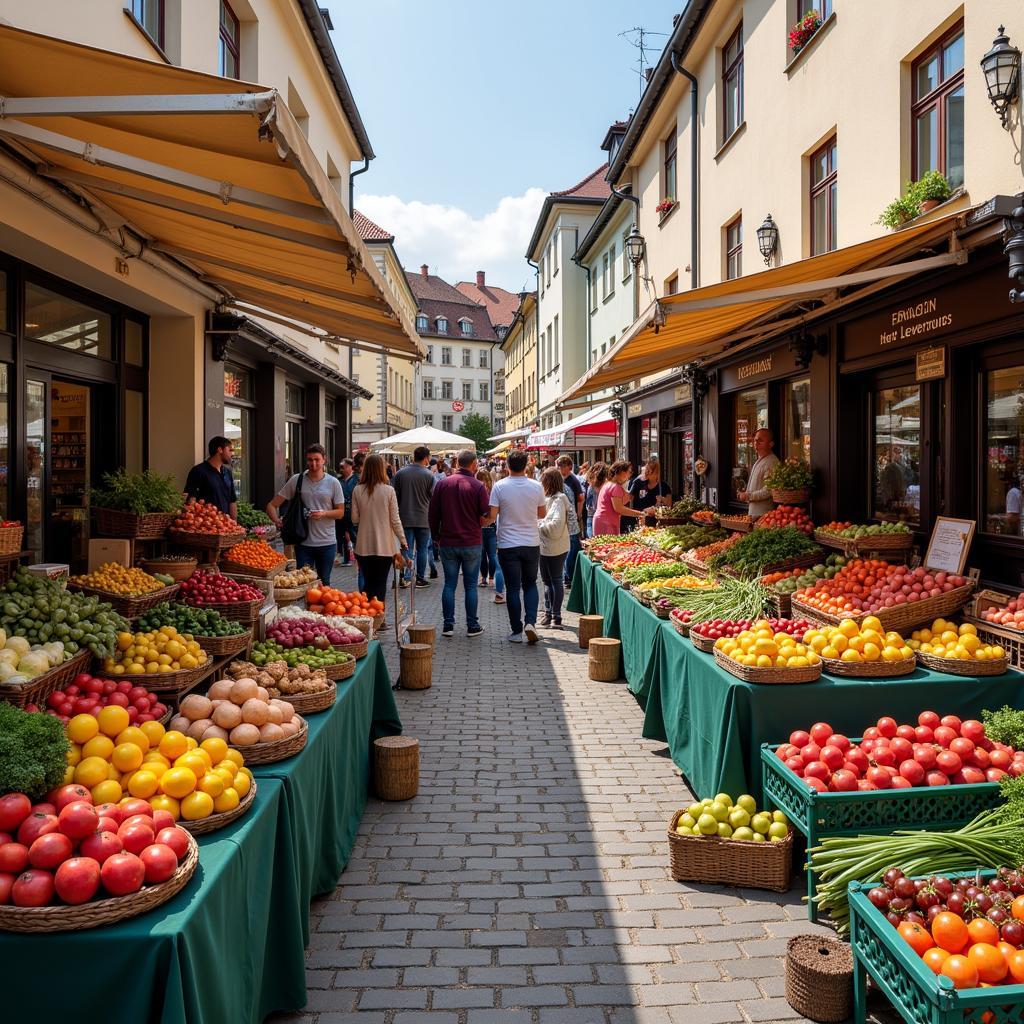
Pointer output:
x,y
380,536
323,501
517,503
574,495
211,480
458,507
554,544
490,569
413,486
612,501
345,530
597,475
647,491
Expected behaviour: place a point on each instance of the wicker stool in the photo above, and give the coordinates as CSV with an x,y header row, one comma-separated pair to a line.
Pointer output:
x,y
420,634
819,978
416,666
605,656
396,767
590,626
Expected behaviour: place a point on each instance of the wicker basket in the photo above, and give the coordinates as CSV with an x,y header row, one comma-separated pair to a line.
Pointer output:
x,y
378,621
702,643
237,611
396,767
129,607
173,684
343,670
165,718
151,526
781,604
696,566
240,569
290,595
176,569
798,562
279,750
955,667
738,524
662,612
682,628
768,676
10,539
729,861
39,920
207,541
221,646
357,651
202,826
858,545
35,691
791,495
869,669
819,978
311,703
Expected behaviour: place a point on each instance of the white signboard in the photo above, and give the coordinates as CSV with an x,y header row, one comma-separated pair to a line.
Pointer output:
x,y
949,544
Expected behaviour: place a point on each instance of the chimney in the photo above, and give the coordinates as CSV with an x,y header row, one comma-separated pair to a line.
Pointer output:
x,y
647,74
423,269
480,278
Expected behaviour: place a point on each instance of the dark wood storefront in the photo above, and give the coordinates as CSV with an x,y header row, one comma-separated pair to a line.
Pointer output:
x,y
660,422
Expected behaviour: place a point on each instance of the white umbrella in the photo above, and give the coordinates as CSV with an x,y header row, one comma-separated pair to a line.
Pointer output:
x,y
434,439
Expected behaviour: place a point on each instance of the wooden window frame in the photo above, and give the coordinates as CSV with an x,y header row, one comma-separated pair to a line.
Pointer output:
x,y
937,98
232,45
138,12
670,165
734,249
732,69
815,189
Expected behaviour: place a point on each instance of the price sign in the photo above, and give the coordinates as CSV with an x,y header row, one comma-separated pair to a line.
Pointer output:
x,y
949,544
458,405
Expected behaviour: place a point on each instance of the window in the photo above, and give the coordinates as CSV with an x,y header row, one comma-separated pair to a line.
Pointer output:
x,y
447,422
421,322
593,292
430,353
442,325
485,391
897,453
734,249
467,327
554,252
294,400
446,390
150,15
547,265
750,415
648,438
668,167
446,355
229,45
611,270
238,430
483,359
59,320
823,198
557,353
732,84
937,127
1004,447
467,391
428,419
467,357
822,7
237,382
672,285
797,420
499,384
604,276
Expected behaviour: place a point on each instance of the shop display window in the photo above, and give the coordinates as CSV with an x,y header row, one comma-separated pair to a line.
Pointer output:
x,y
750,415
237,383
797,418
59,320
1004,438
648,440
238,430
294,400
897,454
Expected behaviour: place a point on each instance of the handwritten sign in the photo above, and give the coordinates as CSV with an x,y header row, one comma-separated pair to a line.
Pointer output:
x,y
930,364
949,544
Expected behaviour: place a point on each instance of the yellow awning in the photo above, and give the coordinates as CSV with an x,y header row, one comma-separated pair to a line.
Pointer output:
x,y
212,172
701,322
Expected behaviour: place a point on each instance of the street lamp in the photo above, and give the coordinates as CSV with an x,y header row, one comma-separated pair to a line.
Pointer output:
x,y
768,239
1002,74
635,246
659,319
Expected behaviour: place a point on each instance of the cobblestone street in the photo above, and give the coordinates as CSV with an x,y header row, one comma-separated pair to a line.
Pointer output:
x,y
527,882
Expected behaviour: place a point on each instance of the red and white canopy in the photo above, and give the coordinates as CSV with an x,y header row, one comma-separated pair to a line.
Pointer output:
x,y
596,428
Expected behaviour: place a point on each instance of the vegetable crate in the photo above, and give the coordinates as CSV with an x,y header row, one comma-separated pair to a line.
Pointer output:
x,y
877,812
918,995
1011,640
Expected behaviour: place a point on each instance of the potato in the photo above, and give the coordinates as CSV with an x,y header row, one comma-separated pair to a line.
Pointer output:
x,y
286,709
220,690
197,728
244,735
195,707
179,723
227,715
270,733
262,694
255,712
274,714
243,690
215,732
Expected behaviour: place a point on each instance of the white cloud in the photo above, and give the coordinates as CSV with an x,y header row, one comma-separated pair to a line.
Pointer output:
x,y
455,244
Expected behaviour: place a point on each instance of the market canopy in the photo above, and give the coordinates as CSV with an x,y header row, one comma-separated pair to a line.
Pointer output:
x,y
701,322
594,429
499,449
212,172
434,439
511,435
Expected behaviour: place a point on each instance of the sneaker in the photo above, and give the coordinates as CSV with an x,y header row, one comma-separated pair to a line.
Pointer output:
x,y
404,584
475,630
557,623
531,633
483,582
433,573
448,631
515,638
546,619
499,598
421,583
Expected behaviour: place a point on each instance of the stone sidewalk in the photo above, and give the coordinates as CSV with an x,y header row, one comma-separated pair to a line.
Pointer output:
x,y
527,883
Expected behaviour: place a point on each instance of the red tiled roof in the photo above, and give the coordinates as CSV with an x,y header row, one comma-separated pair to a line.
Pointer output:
x,y
501,304
436,297
593,186
368,231
430,286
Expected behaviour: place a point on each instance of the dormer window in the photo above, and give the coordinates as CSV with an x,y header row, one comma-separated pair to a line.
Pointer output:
x,y
442,325
467,326
421,322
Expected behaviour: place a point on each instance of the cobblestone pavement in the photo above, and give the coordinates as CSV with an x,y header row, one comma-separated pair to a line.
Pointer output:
x,y
527,883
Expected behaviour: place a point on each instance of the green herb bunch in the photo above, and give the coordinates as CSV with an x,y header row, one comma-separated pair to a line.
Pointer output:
x,y
1005,726
752,554
137,493
249,516
33,752
792,474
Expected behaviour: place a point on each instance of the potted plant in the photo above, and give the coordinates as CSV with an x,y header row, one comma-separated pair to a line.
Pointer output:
x,y
790,482
800,34
665,206
929,190
135,505
899,211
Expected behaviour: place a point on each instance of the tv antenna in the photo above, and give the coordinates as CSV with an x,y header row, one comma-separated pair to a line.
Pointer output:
x,y
639,38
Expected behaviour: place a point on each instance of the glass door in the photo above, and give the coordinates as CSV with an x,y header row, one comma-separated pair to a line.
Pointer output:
x,y
37,449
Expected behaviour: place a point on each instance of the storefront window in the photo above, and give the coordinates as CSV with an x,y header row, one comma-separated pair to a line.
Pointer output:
x,y
59,320
751,414
294,459
1004,438
331,433
687,453
237,383
797,414
238,430
134,351
37,433
294,400
648,440
897,455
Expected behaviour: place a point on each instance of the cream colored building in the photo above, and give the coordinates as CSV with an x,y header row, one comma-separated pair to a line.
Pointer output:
x,y
519,347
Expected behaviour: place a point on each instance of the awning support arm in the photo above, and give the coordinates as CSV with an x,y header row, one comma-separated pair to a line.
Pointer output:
x,y
103,106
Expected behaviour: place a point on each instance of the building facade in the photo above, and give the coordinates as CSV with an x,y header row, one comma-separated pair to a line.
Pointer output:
x,y
519,347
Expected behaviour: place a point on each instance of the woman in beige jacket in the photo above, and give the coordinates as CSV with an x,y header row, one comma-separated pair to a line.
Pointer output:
x,y
380,536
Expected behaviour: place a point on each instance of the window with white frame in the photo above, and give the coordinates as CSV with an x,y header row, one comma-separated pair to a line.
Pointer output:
x,y
446,355
467,357
604,276
554,251
442,325
446,390
593,290
558,354
428,387
428,419
627,267
467,326
422,323
611,270
430,352
483,359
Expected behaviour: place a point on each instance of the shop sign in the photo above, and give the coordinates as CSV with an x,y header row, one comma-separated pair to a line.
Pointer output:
x,y
458,405
635,409
683,393
950,541
778,362
931,364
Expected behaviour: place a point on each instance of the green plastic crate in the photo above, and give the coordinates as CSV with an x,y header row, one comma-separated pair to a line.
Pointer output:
x,y
918,995
878,812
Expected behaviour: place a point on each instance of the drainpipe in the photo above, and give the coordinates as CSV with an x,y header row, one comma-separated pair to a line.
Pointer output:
x,y
352,175
694,167
536,326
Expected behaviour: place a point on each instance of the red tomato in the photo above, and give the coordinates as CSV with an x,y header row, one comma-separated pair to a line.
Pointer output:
x,y
32,888
175,838
77,880
50,850
130,808
13,857
123,873
160,861
36,825
14,809
162,820
78,819
135,838
6,884
101,846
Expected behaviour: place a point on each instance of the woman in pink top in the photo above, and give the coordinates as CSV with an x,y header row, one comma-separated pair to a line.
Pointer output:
x,y
612,501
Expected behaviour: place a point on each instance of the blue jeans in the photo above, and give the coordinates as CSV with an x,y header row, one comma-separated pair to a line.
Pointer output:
x,y
570,559
320,558
519,565
420,537
551,569
489,566
468,561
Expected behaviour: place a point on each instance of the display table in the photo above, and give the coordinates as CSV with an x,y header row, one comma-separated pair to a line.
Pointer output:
x,y
640,657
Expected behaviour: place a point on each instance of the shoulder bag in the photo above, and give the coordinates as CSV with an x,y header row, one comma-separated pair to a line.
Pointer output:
x,y
294,529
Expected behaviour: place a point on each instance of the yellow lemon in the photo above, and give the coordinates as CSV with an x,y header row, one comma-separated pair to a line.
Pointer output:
x,y
91,771
851,656
154,757
112,772
216,748
765,661
98,746
178,782
871,652
82,728
173,744
227,801
113,719
969,641
134,734
107,792
162,802
829,652
856,644
848,628
242,784
840,642
871,622
126,757
74,755
193,762
818,644
236,756
890,653
996,651
214,784
197,805
143,784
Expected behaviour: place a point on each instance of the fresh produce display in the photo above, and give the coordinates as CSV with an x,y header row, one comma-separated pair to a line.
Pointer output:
x,y
750,555
631,557
871,584
681,615
33,753
295,577
707,551
291,633
786,515
789,475
935,752
281,681
1010,615
740,821
21,661
715,629
202,588
265,651
88,695
955,642
733,522
763,647
251,517
120,580
42,610
78,854
187,619
202,517
137,493
160,650
851,531
1005,725
792,580
856,643
836,526
677,539
684,582
652,572
298,612
188,776
239,711
728,599
257,554
684,508
705,516
329,601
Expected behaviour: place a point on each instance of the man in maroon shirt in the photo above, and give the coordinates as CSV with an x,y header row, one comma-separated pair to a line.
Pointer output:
x,y
458,504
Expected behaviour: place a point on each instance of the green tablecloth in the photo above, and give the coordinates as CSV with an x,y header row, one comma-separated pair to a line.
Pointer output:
x,y
581,593
640,657
229,947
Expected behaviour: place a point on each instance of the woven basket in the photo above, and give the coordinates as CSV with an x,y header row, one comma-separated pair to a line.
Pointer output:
x,y
781,605
702,643
202,826
791,495
311,703
290,595
696,566
10,539
39,920
210,541
240,569
857,545
899,617
151,526
869,669
396,767
237,611
729,861
35,691
768,676
363,623
955,667
702,522
279,750
343,670
129,607
174,684
662,612
221,646
378,621
357,651
819,978
799,562
174,568
738,524
167,716
682,628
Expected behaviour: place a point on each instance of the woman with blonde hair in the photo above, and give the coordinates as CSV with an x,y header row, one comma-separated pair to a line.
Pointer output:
x,y
554,544
381,535
490,567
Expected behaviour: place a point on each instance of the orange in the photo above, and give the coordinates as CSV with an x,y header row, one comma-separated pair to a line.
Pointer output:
x,y
98,746
1017,907
200,805
82,728
216,748
161,802
134,734
153,731
91,771
143,784
113,719
988,961
950,932
227,801
178,782
107,792
126,757
960,971
1015,963
934,958
213,784
984,931
173,744
916,935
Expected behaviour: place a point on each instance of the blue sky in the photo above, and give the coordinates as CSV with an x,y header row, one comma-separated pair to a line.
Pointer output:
x,y
476,110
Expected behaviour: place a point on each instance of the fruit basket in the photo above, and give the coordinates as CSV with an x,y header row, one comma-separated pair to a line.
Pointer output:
x,y
36,690
177,568
791,495
311,703
887,542
129,607
49,919
343,670
237,611
278,750
241,569
715,861
738,524
767,676
290,595
203,826
869,669
150,526
11,538
1004,634
208,541
955,667
173,684
221,646
797,562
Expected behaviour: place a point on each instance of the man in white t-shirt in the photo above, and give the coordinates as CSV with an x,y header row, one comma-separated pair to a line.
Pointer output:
x,y
517,503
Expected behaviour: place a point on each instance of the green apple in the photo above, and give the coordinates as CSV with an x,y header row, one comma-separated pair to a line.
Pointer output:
x,y
719,811
708,825
724,830
706,802
723,798
738,817
760,823
684,830
758,838
780,817
688,820
748,803
694,811
743,833
777,830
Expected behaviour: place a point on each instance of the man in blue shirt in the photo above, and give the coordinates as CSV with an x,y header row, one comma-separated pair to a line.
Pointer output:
x,y
211,481
346,529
